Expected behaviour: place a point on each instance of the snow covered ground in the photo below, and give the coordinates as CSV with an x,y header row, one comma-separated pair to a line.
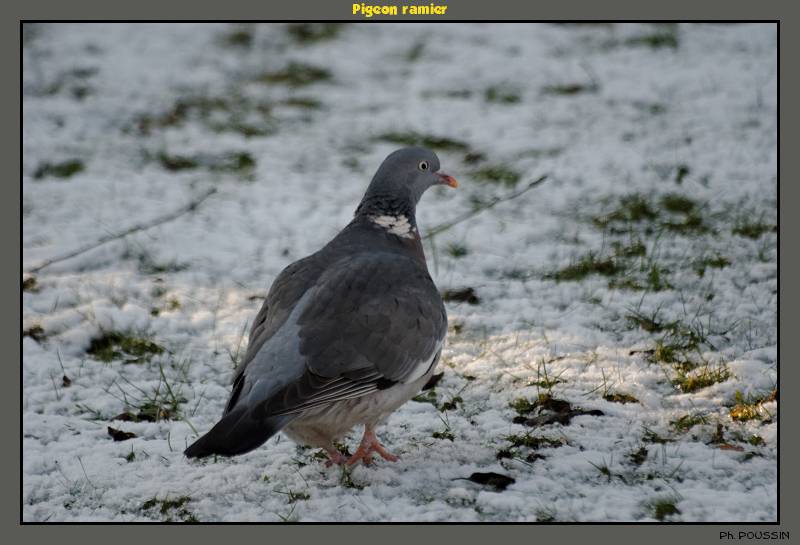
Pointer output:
x,y
639,280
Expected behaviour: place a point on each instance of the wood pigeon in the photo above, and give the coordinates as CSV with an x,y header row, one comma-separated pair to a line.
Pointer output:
x,y
346,335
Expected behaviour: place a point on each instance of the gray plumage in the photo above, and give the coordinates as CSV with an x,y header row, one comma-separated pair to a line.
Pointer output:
x,y
347,334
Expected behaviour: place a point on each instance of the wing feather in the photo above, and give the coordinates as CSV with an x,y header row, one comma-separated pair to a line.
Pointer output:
x,y
369,322
364,323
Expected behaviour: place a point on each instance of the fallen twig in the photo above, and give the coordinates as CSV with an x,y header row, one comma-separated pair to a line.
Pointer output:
x,y
140,227
495,201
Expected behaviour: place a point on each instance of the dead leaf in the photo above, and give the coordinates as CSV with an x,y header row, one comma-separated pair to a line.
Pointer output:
x,y
498,481
464,295
728,446
119,435
548,403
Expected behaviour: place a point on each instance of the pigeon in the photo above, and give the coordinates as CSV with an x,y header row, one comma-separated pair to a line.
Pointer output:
x,y
346,335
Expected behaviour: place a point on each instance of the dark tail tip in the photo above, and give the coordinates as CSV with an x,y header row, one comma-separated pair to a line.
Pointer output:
x,y
238,432
199,449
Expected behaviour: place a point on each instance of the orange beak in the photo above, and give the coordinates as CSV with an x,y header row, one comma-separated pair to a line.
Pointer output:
x,y
447,180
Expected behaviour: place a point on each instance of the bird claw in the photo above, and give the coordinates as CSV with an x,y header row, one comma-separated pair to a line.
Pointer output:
x,y
335,457
365,458
385,454
369,446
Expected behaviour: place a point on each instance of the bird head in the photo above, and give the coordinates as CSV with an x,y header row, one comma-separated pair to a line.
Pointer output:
x,y
407,173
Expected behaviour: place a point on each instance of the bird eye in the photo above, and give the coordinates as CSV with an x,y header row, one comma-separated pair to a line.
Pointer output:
x,y
423,165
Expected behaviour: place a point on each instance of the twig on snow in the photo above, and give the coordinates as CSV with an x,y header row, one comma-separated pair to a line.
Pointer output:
x,y
136,228
486,206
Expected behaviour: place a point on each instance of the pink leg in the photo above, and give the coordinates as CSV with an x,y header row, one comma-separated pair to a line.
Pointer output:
x,y
334,457
385,454
369,445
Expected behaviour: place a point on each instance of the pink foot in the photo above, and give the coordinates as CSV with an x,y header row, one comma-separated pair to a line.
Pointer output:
x,y
385,454
364,454
335,457
369,445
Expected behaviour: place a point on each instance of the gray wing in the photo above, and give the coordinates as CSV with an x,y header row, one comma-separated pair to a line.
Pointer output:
x,y
368,323
270,362
284,294
325,335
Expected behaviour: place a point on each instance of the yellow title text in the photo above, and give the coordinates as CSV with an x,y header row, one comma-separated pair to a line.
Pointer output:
x,y
367,11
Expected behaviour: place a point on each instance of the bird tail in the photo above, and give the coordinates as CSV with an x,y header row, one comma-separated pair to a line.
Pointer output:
x,y
239,431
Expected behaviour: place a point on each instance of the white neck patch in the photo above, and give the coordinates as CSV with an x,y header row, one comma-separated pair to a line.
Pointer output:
x,y
395,225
